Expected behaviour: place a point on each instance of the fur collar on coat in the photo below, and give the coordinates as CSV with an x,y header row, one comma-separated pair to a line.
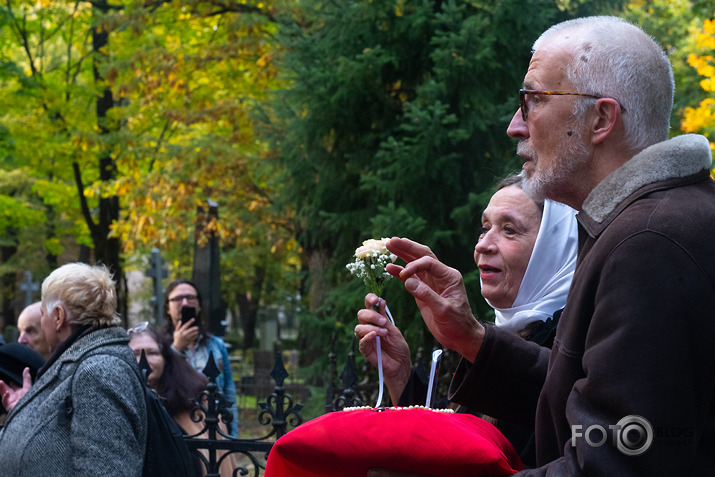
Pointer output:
x,y
681,156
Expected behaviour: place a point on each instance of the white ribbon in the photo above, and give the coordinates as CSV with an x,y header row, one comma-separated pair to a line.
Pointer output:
x,y
436,356
379,358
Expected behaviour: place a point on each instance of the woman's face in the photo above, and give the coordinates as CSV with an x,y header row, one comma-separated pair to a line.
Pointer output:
x,y
182,295
510,225
139,342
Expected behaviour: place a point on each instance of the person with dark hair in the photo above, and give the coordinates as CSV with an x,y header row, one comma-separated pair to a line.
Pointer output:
x,y
190,339
174,380
86,412
171,376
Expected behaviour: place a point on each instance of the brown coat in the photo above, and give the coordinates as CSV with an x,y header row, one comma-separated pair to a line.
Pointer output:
x,y
637,336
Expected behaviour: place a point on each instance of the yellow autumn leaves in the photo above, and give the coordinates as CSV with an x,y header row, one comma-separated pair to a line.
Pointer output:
x,y
701,119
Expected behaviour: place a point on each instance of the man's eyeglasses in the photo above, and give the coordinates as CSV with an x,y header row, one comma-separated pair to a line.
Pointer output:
x,y
180,298
524,92
138,328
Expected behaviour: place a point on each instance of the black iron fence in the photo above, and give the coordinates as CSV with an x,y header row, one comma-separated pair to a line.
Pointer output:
x,y
213,445
279,413
350,391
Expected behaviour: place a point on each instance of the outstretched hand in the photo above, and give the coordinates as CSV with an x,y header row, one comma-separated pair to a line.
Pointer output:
x,y
396,363
440,295
12,394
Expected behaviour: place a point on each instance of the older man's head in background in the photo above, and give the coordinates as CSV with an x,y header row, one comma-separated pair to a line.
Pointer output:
x,y
28,323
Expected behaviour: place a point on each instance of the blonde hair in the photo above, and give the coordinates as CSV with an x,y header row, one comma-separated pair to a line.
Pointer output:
x,y
87,294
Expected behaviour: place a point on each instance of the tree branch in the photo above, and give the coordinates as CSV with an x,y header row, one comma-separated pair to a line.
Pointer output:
x,y
83,200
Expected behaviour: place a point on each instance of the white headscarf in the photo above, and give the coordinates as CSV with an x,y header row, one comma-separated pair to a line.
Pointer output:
x,y
548,276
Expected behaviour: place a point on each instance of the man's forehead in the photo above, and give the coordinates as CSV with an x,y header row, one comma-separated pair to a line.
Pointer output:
x,y
547,67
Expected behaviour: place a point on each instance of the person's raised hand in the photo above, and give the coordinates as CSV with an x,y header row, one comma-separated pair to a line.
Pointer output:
x,y
185,334
396,362
12,394
440,295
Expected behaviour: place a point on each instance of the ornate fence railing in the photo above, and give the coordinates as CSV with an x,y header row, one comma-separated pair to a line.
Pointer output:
x,y
351,392
213,445
278,413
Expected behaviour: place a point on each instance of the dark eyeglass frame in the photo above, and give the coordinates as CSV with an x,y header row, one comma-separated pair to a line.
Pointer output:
x,y
180,298
524,92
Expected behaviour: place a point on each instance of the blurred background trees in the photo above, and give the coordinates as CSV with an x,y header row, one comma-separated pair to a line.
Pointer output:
x,y
313,124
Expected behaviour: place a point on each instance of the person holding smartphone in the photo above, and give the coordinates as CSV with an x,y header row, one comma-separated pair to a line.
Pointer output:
x,y
189,338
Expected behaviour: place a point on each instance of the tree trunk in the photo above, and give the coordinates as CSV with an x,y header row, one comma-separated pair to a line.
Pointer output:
x,y
318,260
249,313
106,249
248,304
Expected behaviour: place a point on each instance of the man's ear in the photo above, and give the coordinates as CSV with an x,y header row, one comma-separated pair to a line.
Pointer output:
x,y
60,318
608,118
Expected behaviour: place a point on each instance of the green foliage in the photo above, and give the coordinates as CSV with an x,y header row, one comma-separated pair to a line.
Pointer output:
x,y
394,124
182,80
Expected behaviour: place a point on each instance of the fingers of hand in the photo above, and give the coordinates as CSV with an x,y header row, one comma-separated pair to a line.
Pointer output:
x,y
369,332
428,265
407,249
371,300
26,379
371,317
394,270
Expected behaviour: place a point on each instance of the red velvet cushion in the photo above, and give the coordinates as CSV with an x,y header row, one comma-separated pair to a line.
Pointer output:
x,y
349,443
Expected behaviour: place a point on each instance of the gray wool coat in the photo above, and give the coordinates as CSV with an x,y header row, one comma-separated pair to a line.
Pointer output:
x,y
106,434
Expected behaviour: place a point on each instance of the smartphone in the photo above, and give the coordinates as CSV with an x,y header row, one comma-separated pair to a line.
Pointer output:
x,y
187,313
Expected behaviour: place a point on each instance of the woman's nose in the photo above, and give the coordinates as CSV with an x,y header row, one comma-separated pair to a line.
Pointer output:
x,y
485,244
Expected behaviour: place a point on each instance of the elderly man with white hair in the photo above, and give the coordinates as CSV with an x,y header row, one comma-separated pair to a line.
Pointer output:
x,y
629,385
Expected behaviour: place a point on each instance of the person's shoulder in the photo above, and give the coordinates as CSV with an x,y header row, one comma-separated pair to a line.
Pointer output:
x,y
217,340
675,210
685,211
110,362
107,360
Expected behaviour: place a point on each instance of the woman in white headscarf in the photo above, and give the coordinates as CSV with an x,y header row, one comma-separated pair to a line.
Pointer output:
x,y
548,275
526,255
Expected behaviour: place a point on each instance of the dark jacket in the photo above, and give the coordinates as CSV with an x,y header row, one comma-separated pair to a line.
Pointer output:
x,y
106,434
637,336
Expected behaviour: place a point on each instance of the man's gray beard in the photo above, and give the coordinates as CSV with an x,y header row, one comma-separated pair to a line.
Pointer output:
x,y
542,184
533,187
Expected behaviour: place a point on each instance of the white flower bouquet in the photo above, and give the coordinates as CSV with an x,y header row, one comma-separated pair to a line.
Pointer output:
x,y
369,264
370,261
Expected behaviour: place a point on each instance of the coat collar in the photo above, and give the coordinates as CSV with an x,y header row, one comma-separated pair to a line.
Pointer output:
x,y
75,353
675,158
